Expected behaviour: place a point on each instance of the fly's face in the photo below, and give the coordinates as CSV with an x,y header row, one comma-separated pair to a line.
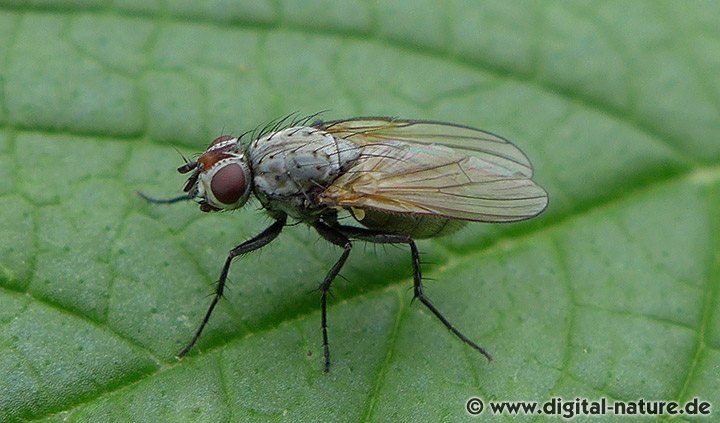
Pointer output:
x,y
221,178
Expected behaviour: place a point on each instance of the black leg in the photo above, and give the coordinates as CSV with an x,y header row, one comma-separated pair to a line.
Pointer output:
x,y
164,200
382,238
336,237
258,241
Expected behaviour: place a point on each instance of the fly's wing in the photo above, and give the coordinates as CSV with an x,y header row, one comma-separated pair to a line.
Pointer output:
x,y
434,168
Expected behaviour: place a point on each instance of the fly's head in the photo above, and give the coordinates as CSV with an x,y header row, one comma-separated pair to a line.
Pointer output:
x,y
220,178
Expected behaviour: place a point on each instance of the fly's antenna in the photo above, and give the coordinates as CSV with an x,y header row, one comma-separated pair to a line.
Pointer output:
x,y
185,159
188,165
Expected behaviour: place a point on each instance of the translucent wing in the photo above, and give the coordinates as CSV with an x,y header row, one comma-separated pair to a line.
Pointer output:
x,y
434,168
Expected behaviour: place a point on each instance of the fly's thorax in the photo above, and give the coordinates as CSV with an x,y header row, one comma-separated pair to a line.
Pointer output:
x,y
298,161
414,225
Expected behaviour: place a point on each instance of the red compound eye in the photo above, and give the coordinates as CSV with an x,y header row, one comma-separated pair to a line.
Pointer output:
x,y
228,183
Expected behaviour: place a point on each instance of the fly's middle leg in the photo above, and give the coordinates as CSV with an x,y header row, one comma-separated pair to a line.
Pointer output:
x,y
336,237
254,243
383,238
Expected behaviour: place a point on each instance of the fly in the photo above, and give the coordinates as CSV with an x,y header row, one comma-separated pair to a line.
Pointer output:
x,y
401,180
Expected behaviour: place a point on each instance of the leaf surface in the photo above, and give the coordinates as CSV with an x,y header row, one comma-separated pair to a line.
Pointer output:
x,y
612,292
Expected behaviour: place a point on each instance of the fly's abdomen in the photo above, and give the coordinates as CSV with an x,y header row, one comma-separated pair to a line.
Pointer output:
x,y
414,225
298,160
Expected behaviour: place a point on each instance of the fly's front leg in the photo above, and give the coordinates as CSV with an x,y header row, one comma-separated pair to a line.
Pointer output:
x,y
257,242
382,238
164,200
334,236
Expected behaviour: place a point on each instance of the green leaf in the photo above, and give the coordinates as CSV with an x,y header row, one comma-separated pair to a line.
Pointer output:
x,y
613,292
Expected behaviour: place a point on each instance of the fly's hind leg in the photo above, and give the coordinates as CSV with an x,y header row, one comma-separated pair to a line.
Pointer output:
x,y
383,238
331,234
